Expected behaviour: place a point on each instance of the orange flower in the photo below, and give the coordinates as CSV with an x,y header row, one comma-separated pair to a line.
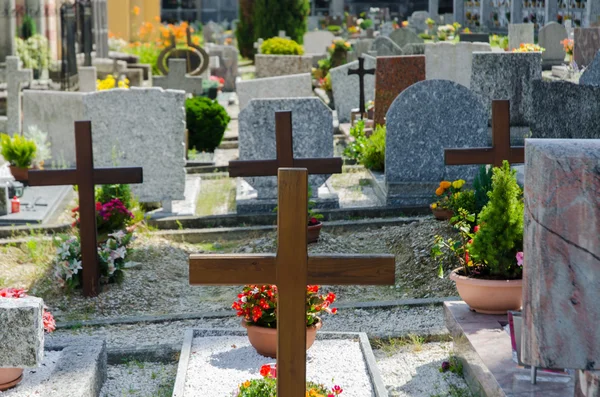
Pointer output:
x,y
445,184
136,11
157,18
439,191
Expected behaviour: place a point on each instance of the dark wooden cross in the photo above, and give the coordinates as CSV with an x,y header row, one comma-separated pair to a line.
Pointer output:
x,y
361,72
85,176
285,156
291,269
500,150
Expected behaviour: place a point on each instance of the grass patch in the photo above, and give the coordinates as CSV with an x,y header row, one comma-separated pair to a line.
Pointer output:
x,y
225,246
216,197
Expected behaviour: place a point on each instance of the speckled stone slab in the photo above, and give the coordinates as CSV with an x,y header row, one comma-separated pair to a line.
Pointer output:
x,y
561,281
405,36
423,120
549,38
510,76
454,62
362,46
565,110
291,86
394,75
385,47
317,42
519,33
346,92
280,65
591,75
587,44
21,332
312,131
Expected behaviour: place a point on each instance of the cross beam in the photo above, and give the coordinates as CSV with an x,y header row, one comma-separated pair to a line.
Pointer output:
x,y
501,149
361,72
285,156
85,176
291,269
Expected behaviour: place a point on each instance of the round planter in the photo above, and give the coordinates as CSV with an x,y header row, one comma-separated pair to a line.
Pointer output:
x,y
10,377
264,340
20,174
489,296
313,233
442,214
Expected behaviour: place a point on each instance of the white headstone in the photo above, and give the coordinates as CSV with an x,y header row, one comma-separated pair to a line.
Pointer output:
x,y
550,38
15,76
8,27
519,33
88,77
454,62
317,42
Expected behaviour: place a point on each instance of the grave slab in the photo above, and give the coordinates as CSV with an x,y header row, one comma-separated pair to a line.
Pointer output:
x,y
210,365
38,204
290,86
346,93
485,349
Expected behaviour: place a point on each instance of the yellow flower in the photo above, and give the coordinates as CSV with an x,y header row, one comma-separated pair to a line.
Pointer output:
x,y
445,184
246,384
434,206
136,10
404,24
458,184
439,191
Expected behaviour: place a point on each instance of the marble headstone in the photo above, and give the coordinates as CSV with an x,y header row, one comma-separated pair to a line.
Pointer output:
x,y
312,130
509,76
565,110
562,254
291,86
346,92
519,33
452,62
317,42
22,332
384,46
405,36
591,75
394,75
178,79
550,38
586,45
423,120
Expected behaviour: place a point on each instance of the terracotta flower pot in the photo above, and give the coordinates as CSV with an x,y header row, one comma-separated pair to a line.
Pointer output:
x,y
489,296
264,340
10,377
314,232
20,174
442,214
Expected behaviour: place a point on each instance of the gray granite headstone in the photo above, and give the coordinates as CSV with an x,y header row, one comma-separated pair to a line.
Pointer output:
x,y
386,29
591,75
586,45
519,33
279,65
423,120
178,79
15,76
414,49
565,110
317,42
22,332
226,66
507,76
290,86
346,91
88,77
405,36
362,46
312,130
385,47
550,37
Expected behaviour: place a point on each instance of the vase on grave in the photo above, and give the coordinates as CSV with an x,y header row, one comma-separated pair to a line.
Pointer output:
x,y
489,296
21,174
10,377
314,231
264,340
442,214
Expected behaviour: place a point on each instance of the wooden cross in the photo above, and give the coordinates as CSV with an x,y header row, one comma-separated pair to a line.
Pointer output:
x,y
291,269
85,176
500,150
361,72
285,156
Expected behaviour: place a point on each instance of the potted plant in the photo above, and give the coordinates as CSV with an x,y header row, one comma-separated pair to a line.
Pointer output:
x,y
338,52
442,208
267,386
10,377
314,222
257,305
489,279
20,153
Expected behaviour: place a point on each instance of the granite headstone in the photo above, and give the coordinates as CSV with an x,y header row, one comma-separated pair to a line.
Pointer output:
x,y
346,92
281,65
362,46
550,37
178,79
586,45
22,332
15,76
591,75
291,86
384,46
405,36
454,62
417,21
474,37
386,29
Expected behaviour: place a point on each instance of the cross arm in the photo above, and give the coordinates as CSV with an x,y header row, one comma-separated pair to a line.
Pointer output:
x,y
481,156
351,269
232,269
52,178
102,176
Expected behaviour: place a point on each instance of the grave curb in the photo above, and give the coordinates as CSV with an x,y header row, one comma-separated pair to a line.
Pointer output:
x,y
377,383
230,313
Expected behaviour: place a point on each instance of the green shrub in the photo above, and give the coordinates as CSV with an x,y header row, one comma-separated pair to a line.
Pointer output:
x,y
34,52
17,150
425,36
281,46
465,200
271,16
206,122
366,24
368,151
500,236
28,28
482,185
334,28
106,193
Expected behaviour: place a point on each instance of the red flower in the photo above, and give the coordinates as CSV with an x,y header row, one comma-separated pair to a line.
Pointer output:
x,y
312,288
49,323
334,310
476,229
98,206
467,257
268,371
256,313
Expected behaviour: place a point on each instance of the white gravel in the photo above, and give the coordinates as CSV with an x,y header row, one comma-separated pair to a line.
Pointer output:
x,y
141,379
34,379
219,364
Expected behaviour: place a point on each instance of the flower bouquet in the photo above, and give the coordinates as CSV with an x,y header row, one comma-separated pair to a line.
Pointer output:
x,y
446,193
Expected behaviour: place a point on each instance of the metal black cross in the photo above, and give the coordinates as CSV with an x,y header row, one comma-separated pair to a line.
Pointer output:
x,y
361,72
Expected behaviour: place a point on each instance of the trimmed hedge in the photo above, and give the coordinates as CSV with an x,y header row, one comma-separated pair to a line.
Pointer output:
x,y
206,121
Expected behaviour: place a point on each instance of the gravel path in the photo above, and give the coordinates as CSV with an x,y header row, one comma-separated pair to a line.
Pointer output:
x,y
140,379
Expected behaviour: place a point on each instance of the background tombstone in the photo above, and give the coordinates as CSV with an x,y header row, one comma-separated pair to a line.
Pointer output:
x,y
404,36
394,75
362,46
8,27
386,29
507,76
312,130
227,65
452,62
570,29
384,46
15,76
346,88
424,119
519,33
88,77
587,44
290,86
417,21
458,11
177,79
474,37
100,12
317,42
550,38
22,332
591,75
560,278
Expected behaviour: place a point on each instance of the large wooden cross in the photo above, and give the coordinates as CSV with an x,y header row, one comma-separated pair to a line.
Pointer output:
x,y
291,269
500,150
85,176
285,156
361,72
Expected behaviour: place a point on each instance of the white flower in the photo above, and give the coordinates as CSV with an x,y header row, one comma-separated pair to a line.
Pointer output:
x,y
243,299
75,266
118,235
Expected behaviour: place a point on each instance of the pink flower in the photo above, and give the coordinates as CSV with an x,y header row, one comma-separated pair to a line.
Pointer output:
x,y
49,323
337,390
520,256
476,228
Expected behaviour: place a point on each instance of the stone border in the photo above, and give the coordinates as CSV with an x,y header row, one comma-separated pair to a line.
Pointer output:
x,y
376,379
